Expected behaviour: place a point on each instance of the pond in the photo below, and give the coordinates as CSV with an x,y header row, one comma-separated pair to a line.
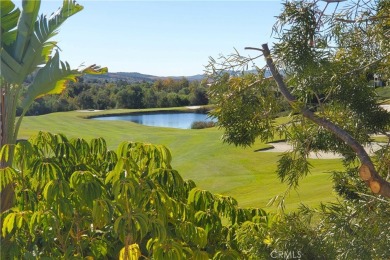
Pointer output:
x,y
182,120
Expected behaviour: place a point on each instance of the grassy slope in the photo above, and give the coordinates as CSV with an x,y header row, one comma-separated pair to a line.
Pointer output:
x,y
200,155
383,94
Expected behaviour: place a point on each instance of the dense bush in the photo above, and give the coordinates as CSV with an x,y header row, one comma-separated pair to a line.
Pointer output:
x,y
76,199
202,124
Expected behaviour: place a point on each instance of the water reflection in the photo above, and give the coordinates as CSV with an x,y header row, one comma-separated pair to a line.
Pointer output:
x,y
162,119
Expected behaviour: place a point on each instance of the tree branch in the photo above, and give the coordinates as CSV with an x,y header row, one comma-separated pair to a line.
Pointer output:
x,y
367,65
252,48
367,171
373,18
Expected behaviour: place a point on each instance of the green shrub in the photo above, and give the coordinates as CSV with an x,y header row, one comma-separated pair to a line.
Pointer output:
x,y
77,199
202,124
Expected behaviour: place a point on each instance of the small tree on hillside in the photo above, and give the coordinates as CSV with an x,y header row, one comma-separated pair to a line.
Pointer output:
x,y
326,59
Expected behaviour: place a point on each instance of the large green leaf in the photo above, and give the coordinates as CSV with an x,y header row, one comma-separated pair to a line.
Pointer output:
x,y
56,190
8,38
8,223
25,28
15,43
46,28
9,20
43,172
31,47
201,199
133,253
87,186
95,70
9,67
101,213
50,79
7,176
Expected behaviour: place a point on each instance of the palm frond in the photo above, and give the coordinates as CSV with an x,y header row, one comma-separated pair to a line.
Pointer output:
x,y
25,28
94,70
9,67
40,48
9,20
51,79
31,47
45,27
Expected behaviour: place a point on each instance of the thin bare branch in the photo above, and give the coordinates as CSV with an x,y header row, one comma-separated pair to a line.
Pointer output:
x,y
252,48
373,18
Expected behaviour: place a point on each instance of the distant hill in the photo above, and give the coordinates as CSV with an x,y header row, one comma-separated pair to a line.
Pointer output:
x,y
137,77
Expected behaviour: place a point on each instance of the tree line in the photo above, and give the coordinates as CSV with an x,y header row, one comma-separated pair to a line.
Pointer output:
x,y
101,94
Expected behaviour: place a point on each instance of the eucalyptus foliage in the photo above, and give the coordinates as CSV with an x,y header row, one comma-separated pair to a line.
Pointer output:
x,y
322,65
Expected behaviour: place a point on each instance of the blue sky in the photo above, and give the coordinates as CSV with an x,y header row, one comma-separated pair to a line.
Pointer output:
x,y
164,38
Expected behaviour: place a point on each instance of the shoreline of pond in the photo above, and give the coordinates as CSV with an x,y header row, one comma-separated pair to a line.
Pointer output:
x,y
182,118
93,113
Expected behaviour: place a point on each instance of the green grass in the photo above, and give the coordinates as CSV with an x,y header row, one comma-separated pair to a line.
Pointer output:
x,y
200,155
383,95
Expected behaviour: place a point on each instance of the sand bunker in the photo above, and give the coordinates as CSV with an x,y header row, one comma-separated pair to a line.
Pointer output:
x,y
281,147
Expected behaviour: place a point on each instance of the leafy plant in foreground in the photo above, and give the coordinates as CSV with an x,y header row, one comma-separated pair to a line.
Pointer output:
x,y
77,199
27,48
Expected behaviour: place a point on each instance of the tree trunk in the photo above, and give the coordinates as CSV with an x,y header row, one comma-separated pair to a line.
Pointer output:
x,y
371,177
8,97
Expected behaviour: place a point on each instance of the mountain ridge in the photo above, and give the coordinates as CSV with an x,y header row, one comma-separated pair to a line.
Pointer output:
x,y
138,77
